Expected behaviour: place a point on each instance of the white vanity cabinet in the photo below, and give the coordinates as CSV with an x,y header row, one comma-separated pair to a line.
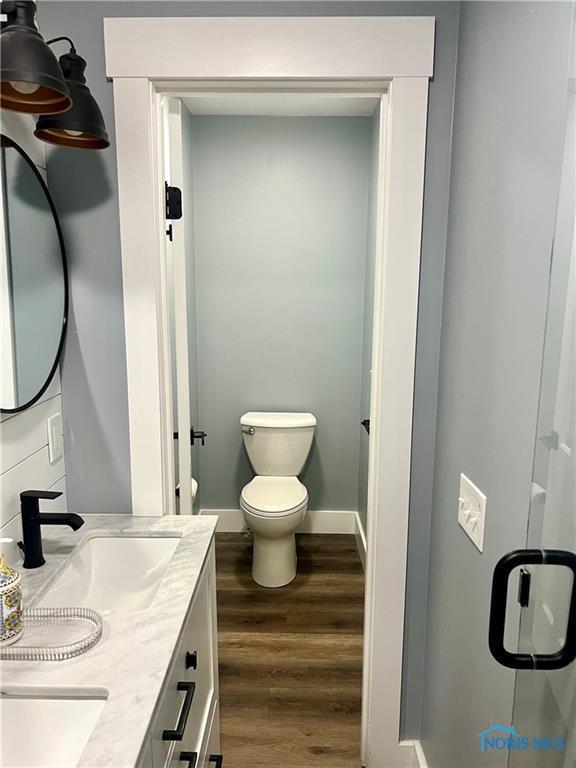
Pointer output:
x,y
185,729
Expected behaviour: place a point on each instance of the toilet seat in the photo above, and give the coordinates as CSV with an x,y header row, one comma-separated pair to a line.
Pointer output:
x,y
269,496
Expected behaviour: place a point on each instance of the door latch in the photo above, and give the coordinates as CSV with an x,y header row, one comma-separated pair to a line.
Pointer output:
x,y
195,434
198,434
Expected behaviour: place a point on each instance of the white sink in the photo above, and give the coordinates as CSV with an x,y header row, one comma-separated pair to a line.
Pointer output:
x,y
48,729
112,573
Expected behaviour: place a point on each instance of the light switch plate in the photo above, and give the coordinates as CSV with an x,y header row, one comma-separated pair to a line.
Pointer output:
x,y
55,438
472,511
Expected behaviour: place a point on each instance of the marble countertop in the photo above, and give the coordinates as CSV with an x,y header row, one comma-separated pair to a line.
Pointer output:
x,y
133,656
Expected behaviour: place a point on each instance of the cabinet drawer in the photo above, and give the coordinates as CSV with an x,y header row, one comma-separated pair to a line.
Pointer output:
x,y
170,710
186,758
188,694
211,755
200,639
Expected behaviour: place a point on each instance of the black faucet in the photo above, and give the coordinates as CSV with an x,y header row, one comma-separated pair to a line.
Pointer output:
x,y
33,519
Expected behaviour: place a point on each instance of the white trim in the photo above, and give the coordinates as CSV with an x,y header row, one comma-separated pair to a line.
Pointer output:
x,y
360,539
138,122
398,234
419,758
178,288
297,50
316,521
332,48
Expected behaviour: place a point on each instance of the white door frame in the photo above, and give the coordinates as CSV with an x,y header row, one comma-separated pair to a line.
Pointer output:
x,y
179,294
146,56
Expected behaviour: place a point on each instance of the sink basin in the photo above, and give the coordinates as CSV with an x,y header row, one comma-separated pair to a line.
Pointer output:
x,y
48,729
113,573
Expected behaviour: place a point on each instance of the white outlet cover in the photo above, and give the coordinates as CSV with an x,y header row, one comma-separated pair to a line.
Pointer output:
x,y
55,437
472,511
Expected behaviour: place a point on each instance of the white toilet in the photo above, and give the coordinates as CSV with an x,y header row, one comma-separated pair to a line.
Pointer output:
x,y
275,501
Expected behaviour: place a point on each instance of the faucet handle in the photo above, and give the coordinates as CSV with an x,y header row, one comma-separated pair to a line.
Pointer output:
x,y
40,495
30,501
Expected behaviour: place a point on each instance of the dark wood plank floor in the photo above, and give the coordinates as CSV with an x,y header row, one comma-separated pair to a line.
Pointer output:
x,y
291,658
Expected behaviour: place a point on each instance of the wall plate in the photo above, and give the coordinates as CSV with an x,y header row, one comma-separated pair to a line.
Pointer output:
x,y
55,437
472,511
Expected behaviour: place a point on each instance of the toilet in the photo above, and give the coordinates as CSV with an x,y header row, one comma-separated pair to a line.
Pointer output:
x,y
274,502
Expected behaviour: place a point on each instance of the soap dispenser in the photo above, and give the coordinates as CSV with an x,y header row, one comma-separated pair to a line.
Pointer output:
x,y
11,626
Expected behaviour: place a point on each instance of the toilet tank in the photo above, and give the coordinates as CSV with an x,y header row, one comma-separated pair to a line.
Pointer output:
x,y
278,444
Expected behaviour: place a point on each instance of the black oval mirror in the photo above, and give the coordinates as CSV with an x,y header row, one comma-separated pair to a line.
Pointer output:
x,y
33,282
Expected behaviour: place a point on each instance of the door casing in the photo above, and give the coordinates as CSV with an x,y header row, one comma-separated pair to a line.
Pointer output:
x,y
147,57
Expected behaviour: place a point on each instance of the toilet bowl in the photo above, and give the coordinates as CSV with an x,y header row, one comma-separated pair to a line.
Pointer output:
x,y
274,502
273,507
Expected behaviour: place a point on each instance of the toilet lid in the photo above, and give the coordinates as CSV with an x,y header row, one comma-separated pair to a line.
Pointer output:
x,y
274,494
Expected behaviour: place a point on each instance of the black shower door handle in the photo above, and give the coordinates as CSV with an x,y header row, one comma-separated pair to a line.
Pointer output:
x,y
567,654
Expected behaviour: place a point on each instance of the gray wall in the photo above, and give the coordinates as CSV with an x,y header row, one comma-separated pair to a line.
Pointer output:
x,y
280,229
94,371
509,119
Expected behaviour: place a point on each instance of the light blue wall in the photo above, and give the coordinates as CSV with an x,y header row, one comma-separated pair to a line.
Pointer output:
x,y
508,140
94,370
280,226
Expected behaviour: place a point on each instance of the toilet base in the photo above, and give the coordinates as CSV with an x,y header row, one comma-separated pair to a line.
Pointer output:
x,y
274,560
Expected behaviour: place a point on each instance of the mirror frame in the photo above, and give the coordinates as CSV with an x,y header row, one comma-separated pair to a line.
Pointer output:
x,y
6,141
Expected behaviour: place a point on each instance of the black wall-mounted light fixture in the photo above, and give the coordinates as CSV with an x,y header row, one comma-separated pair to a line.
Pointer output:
x,y
82,126
32,81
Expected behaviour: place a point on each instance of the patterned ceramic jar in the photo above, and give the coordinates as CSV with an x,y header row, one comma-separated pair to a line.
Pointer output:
x,y
11,626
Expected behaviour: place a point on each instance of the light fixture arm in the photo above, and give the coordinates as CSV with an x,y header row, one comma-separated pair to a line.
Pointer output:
x,y
59,39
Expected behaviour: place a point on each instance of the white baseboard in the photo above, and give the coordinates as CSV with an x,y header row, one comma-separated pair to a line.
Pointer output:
x,y
360,539
418,756
229,520
316,521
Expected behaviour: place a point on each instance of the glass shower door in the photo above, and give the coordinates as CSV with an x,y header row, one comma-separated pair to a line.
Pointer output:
x,y
544,720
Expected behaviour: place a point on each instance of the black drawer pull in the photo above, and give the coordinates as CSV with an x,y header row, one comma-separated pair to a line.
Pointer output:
x,y
217,760
192,757
191,660
178,733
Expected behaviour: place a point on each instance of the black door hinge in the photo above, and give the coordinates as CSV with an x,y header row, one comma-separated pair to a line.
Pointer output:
x,y
173,202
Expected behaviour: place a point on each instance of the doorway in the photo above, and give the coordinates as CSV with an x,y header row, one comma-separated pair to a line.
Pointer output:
x,y
277,246
150,57
272,306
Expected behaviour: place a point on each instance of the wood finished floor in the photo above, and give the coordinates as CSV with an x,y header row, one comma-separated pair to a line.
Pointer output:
x,y
291,658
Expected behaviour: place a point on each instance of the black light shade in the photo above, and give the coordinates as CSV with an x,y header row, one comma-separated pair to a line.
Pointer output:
x,y
82,126
32,80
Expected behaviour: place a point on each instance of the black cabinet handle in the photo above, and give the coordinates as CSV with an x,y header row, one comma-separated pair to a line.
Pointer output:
x,y
504,568
191,660
178,733
192,757
217,760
